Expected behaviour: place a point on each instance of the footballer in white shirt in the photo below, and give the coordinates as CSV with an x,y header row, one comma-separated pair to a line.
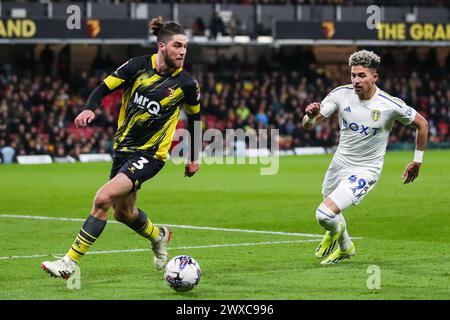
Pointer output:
x,y
366,117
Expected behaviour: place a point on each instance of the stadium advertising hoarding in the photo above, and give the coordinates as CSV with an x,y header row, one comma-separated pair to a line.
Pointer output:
x,y
289,32
29,29
329,30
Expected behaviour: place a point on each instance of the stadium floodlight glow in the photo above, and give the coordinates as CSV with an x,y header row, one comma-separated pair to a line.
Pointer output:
x,y
264,39
224,39
200,39
242,39
18,13
411,17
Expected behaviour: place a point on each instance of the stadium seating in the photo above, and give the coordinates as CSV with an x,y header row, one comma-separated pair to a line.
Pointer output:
x,y
37,112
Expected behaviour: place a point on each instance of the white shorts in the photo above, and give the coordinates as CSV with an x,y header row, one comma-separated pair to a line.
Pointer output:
x,y
347,186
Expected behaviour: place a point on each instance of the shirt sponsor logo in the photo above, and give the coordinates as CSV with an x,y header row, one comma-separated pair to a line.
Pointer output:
x,y
143,102
360,128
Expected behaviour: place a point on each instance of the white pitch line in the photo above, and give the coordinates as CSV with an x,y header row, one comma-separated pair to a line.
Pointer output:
x,y
247,231
43,218
295,234
175,248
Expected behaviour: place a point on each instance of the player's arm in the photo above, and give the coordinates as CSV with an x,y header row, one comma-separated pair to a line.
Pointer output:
x,y
317,112
313,117
192,107
412,169
194,128
95,99
111,83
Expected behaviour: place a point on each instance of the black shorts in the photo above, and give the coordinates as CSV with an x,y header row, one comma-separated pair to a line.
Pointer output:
x,y
137,167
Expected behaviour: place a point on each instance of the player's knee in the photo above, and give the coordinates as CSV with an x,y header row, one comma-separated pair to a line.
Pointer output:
x,y
324,215
102,201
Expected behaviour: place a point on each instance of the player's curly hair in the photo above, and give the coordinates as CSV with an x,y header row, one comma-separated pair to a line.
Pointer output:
x,y
365,58
165,30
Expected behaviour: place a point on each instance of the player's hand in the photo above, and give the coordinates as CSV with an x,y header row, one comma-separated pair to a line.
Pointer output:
x,y
191,168
313,109
84,118
411,172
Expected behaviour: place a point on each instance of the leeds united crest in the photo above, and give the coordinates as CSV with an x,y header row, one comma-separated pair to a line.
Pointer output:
x,y
376,114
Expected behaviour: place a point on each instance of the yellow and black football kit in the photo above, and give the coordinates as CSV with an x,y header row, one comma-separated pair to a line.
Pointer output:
x,y
148,116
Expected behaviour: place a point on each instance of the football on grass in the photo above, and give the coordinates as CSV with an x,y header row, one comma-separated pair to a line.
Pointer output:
x,y
182,273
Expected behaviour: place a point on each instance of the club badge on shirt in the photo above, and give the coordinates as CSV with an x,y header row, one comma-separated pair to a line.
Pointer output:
x,y
376,114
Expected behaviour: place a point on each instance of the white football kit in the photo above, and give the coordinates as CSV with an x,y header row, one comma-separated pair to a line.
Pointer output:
x,y
364,131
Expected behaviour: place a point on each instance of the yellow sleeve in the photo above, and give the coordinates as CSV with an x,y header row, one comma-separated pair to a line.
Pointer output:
x,y
192,109
113,82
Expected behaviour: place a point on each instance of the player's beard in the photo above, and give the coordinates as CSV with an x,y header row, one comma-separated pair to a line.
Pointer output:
x,y
169,63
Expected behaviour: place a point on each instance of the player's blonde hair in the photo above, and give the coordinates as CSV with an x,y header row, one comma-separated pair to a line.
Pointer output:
x,y
368,59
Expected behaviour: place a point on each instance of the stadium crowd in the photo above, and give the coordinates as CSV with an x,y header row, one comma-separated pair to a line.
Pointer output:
x,y
37,111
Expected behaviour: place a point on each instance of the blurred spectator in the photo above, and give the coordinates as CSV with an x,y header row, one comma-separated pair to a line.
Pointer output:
x,y
64,63
216,25
47,57
237,27
98,64
7,153
198,27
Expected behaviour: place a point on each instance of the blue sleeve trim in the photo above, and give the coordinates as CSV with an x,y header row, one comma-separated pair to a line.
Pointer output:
x,y
339,88
391,101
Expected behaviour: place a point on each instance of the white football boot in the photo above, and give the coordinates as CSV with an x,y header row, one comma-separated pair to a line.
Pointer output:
x,y
63,267
159,247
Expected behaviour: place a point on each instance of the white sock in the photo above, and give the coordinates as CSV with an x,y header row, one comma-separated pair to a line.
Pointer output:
x,y
344,240
329,220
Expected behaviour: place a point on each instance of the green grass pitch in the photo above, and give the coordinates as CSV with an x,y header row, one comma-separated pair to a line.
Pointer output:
x,y
402,229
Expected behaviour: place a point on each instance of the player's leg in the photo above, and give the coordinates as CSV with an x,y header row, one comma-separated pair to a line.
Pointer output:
x,y
126,212
116,189
140,169
351,190
327,214
330,216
